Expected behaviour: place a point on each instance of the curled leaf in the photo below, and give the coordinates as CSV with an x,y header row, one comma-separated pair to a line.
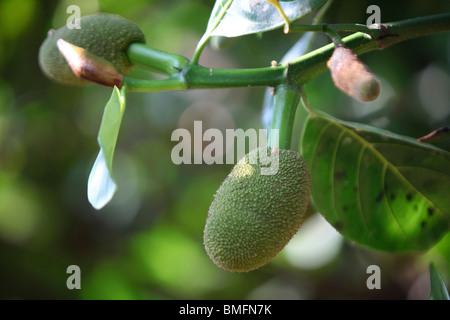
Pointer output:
x,y
438,289
436,135
101,185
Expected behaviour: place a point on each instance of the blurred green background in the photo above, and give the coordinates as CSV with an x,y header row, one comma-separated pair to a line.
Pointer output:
x,y
147,243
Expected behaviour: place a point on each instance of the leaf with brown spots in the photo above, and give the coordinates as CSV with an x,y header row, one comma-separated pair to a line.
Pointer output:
x,y
389,191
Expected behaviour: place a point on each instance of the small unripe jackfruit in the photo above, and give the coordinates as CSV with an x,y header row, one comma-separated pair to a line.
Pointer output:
x,y
352,76
254,215
104,35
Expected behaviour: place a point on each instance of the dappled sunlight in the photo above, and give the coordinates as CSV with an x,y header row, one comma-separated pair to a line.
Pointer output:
x,y
243,170
315,245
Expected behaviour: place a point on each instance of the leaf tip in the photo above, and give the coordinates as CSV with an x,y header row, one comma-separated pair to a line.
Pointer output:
x,y
101,186
438,288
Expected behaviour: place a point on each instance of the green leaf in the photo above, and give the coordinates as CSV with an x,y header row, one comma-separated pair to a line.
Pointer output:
x,y
101,185
217,14
235,18
377,188
438,288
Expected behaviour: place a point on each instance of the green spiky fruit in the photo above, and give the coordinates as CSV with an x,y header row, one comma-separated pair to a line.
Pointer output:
x,y
254,215
104,35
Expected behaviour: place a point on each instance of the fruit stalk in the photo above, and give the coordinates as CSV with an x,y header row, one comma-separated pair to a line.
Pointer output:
x,y
285,102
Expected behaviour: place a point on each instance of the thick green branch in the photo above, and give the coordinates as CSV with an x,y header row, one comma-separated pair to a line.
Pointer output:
x,y
200,77
170,84
413,28
326,28
155,59
285,102
186,75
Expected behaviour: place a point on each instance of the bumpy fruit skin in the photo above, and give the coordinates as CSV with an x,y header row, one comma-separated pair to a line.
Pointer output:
x,y
253,216
104,35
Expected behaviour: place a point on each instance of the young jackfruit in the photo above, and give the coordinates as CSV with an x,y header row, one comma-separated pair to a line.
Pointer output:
x,y
106,36
254,214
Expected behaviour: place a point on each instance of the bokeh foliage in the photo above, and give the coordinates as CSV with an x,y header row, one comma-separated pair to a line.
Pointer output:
x,y
147,244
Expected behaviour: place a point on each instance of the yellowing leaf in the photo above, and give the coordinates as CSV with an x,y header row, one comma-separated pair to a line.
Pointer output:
x,y
277,5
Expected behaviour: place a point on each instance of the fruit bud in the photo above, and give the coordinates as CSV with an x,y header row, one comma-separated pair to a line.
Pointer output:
x,y
352,76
